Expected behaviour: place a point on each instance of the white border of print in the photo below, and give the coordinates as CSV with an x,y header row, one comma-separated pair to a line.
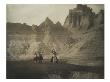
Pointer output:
x,y
3,35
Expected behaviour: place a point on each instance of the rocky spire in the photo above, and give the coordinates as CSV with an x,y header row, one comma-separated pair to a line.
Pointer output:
x,y
58,24
46,23
47,20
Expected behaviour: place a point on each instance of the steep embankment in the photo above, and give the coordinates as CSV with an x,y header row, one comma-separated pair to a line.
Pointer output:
x,y
88,30
89,50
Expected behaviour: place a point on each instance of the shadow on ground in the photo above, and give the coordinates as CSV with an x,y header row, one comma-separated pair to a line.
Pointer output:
x,y
31,70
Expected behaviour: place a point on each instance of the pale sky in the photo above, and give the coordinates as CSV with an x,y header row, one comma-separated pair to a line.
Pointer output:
x,y
36,14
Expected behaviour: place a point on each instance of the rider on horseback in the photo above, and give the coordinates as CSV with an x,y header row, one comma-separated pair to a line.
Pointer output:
x,y
54,58
38,57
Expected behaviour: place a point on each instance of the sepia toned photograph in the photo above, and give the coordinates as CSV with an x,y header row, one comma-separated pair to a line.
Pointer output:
x,y
55,41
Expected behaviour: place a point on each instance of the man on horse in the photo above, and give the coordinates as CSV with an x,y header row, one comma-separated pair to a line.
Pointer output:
x,y
38,57
54,58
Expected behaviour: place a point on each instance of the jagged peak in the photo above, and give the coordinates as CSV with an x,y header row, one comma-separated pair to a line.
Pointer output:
x,y
34,25
48,20
58,23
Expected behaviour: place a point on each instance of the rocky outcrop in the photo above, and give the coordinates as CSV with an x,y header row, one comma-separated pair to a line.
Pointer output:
x,y
88,31
18,28
99,18
81,17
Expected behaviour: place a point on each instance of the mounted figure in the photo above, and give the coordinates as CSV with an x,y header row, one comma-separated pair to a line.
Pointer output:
x,y
54,58
38,57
